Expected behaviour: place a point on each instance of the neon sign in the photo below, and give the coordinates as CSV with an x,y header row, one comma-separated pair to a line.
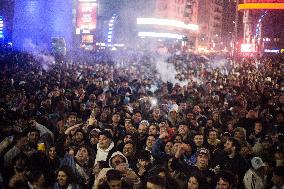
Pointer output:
x,y
87,15
1,27
261,4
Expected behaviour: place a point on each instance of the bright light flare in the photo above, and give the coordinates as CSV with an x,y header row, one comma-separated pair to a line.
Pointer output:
x,y
248,48
154,102
166,22
160,35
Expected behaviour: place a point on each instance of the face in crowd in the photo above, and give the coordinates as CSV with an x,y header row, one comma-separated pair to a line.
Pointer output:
x,y
62,178
142,129
198,140
71,120
129,150
202,161
192,183
104,142
82,155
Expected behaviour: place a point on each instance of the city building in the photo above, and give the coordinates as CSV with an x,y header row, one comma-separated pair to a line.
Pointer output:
x,y
210,17
171,22
87,24
228,25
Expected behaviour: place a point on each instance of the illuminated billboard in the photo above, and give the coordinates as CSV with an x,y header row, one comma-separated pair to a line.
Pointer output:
x,y
248,48
1,28
86,15
262,4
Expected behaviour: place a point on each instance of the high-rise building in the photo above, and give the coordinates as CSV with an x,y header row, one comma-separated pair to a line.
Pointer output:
x,y
169,19
210,15
228,24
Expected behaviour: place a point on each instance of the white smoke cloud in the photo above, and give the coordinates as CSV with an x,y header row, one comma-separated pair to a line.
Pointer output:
x,y
221,64
45,60
166,71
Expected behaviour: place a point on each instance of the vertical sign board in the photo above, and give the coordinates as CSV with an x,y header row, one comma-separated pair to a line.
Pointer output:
x,y
86,15
86,21
1,27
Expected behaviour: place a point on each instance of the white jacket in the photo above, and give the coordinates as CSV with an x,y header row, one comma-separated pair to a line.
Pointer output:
x,y
253,181
102,154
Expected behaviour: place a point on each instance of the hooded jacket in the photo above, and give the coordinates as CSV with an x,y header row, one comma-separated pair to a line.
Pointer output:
x,y
103,172
115,154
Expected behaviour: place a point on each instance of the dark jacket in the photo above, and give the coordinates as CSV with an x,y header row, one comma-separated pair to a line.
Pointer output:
x,y
158,152
237,165
124,185
206,175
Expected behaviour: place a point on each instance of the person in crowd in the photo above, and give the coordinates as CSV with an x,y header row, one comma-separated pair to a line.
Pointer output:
x,y
53,163
200,168
118,162
193,182
36,179
199,140
81,112
225,180
278,177
114,181
156,182
66,179
105,146
129,151
212,142
256,176
231,160
80,163
21,146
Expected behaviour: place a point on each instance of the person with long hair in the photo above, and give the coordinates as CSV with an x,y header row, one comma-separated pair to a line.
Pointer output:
x,y
65,179
193,182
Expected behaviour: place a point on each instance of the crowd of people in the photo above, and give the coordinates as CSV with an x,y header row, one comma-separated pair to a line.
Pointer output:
x,y
121,125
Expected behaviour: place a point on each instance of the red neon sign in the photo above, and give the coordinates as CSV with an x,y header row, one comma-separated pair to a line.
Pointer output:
x,y
86,15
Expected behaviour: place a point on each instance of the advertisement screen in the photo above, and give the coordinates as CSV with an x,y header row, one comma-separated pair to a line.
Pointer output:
x,y
86,15
87,39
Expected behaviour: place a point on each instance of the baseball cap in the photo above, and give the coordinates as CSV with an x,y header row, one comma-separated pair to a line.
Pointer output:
x,y
226,134
144,122
257,163
203,151
106,134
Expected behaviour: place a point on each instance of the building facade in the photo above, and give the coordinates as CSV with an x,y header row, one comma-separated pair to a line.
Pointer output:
x,y
172,18
209,19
